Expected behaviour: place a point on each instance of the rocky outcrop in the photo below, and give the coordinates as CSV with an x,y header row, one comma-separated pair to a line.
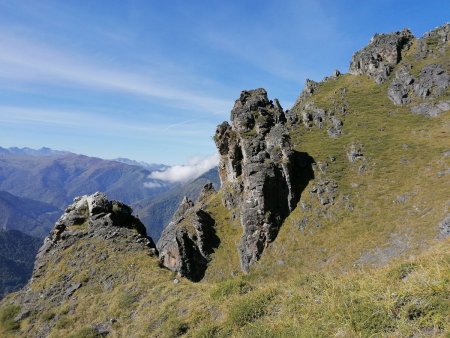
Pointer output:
x,y
189,239
381,55
433,42
91,230
93,216
400,89
431,83
325,190
307,92
256,170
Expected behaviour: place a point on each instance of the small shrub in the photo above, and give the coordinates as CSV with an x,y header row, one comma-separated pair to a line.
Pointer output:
x,y
7,315
63,323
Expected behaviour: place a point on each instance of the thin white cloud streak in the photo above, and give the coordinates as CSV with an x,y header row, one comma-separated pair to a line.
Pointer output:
x,y
77,120
188,172
22,60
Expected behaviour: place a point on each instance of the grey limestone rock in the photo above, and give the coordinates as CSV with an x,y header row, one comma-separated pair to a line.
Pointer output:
x,y
401,86
189,239
435,41
433,80
355,152
88,217
431,109
336,127
256,170
307,92
325,190
381,55
444,226
431,83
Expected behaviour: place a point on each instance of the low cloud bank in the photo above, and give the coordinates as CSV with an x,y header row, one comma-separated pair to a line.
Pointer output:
x,y
154,185
184,173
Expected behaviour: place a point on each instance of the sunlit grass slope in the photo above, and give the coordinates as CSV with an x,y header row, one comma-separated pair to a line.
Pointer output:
x,y
370,265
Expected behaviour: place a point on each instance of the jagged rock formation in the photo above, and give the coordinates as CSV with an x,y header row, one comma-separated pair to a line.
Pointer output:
x,y
85,224
256,170
435,41
306,112
92,216
381,55
431,82
189,239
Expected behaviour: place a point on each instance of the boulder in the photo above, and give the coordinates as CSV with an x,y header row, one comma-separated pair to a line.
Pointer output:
x,y
431,109
433,80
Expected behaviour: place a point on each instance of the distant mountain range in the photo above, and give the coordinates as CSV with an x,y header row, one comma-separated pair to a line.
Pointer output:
x,y
57,177
36,186
44,151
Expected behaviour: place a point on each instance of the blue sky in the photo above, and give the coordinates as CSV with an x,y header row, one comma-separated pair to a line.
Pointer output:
x,y
150,80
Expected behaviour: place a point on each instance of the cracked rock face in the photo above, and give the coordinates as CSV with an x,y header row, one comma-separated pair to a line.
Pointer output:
x,y
431,83
189,239
256,169
381,55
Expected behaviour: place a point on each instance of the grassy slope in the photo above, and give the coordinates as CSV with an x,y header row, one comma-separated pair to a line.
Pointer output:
x,y
310,282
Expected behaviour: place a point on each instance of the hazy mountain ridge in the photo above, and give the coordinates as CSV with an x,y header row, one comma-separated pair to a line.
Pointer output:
x,y
28,216
58,179
145,165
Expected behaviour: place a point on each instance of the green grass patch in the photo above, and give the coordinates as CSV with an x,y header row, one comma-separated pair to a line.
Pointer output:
x,y
250,307
7,322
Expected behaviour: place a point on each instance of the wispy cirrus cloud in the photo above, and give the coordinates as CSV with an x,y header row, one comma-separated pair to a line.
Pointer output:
x,y
95,123
27,62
